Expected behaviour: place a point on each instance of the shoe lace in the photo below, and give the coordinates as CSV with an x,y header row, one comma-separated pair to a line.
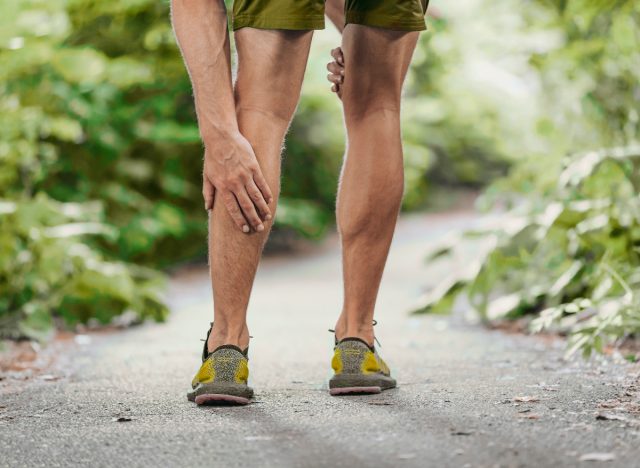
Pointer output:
x,y
205,349
375,322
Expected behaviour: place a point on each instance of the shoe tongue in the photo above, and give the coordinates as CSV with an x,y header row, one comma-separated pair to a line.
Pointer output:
x,y
205,348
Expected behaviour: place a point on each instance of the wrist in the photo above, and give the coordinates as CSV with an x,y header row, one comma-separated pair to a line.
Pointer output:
x,y
218,135
223,145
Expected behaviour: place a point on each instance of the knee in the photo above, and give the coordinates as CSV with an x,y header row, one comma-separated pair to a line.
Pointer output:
x,y
380,93
375,122
277,110
381,106
276,101
265,123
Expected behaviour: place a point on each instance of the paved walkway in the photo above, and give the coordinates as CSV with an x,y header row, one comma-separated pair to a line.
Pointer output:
x,y
468,397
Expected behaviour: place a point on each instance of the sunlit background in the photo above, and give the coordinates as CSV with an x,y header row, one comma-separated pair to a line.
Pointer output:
x,y
533,103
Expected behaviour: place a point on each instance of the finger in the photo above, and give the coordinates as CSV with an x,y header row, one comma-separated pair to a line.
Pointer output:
x,y
208,193
261,182
231,204
334,88
338,55
337,79
335,68
258,200
249,210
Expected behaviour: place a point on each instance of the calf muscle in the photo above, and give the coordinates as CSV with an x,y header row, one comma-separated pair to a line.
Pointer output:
x,y
371,186
271,67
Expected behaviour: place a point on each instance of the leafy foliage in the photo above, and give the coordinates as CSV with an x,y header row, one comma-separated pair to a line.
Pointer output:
x,y
99,145
568,249
46,269
62,137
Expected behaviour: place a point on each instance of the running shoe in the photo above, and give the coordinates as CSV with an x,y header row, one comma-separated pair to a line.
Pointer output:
x,y
223,377
358,369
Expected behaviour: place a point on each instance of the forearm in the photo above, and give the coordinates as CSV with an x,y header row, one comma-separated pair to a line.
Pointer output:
x,y
201,31
335,11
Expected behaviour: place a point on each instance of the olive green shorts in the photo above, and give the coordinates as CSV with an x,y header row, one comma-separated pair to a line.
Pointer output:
x,y
402,15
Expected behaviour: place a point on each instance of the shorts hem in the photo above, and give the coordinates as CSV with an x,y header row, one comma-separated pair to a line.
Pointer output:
x,y
291,23
385,22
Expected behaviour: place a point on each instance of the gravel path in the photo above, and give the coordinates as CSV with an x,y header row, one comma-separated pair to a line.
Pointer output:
x,y
468,397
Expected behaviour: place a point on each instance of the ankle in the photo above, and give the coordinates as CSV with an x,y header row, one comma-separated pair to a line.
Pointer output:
x,y
228,335
346,329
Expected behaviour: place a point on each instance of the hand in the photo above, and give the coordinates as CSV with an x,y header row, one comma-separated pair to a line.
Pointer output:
x,y
336,71
231,167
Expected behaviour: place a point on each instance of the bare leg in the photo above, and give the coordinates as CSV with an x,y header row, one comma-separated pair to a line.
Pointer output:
x,y
371,184
334,9
271,67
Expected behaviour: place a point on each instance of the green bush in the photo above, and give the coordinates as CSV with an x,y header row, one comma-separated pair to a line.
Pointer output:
x,y
46,270
67,114
568,249
96,113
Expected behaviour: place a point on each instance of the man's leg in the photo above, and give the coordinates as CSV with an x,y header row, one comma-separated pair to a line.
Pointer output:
x,y
371,185
271,65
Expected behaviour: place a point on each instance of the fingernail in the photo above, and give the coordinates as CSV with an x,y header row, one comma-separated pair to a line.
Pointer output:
x,y
342,72
270,200
260,228
268,217
245,228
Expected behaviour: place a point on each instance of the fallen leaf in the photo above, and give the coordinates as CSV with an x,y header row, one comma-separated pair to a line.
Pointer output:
x,y
121,419
461,433
610,417
526,399
529,416
49,377
598,456
609,404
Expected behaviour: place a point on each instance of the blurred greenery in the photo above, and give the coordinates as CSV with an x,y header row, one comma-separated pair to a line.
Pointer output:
x,y
566,252
101,155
